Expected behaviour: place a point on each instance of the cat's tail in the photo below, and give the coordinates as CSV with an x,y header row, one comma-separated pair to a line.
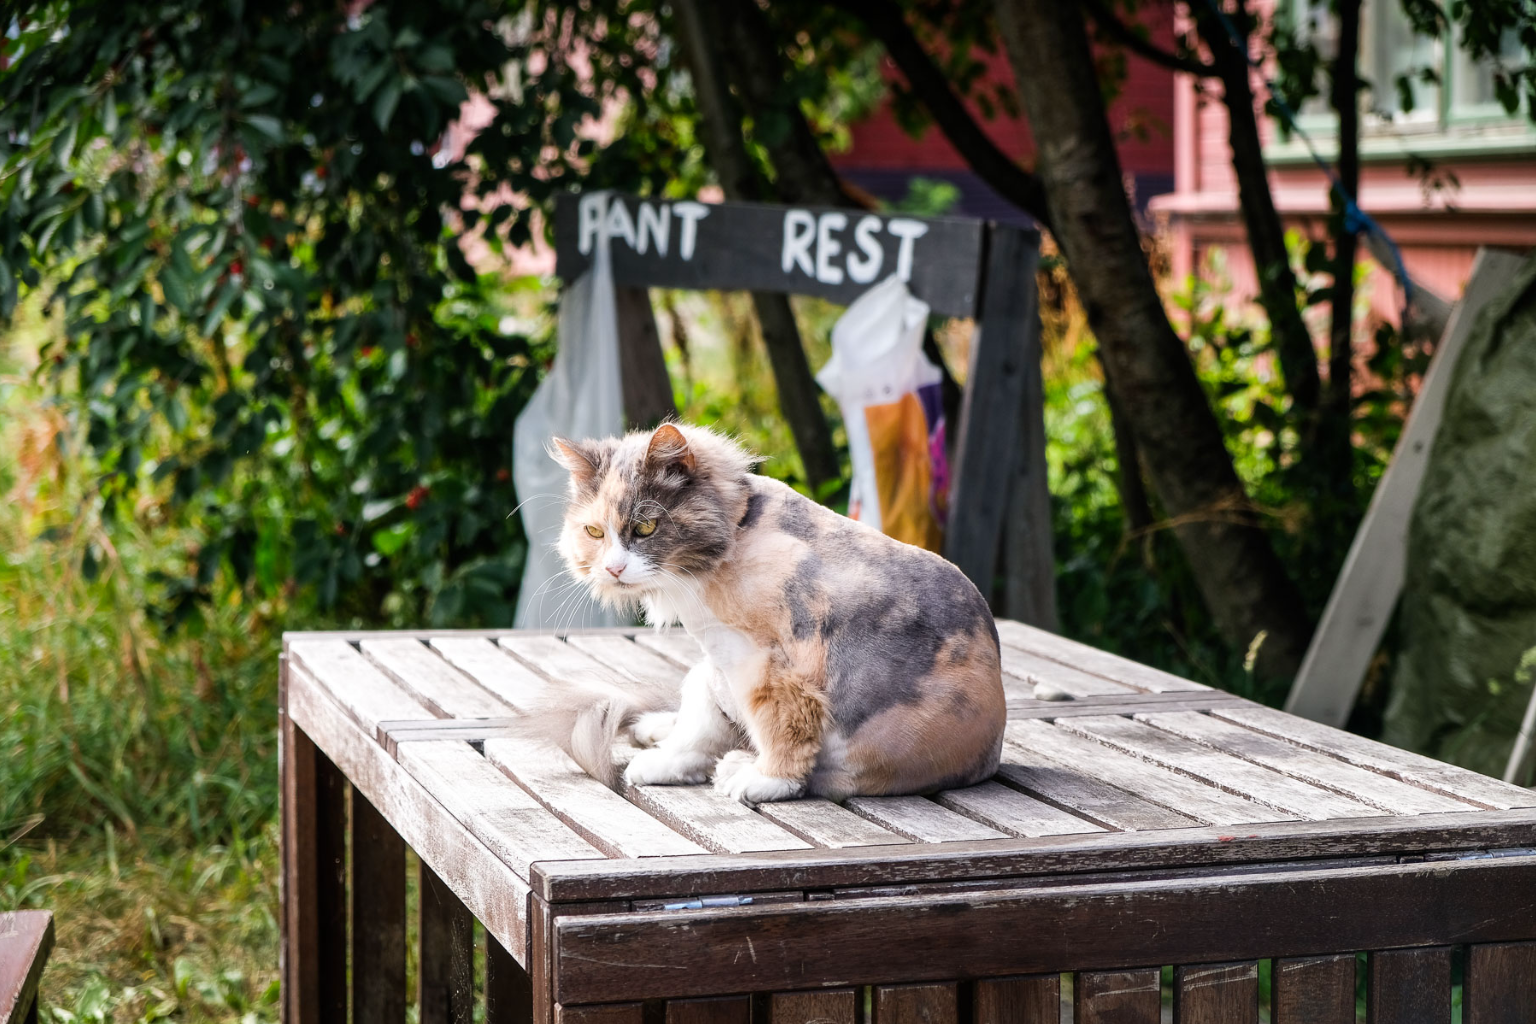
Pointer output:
x,y
586,720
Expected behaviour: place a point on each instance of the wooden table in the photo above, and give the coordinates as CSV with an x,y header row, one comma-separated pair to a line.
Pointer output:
x,y
1150,821
26,939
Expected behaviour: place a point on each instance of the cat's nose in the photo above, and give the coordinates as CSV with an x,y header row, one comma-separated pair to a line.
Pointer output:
x,y
615,570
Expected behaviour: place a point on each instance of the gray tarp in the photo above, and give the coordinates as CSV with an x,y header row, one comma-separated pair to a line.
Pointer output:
x,y
1469,604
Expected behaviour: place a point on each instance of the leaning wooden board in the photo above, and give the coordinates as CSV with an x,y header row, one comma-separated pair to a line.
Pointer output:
x,y
1144,795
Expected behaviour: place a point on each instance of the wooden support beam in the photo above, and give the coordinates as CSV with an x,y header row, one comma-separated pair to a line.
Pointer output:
x,y
642,366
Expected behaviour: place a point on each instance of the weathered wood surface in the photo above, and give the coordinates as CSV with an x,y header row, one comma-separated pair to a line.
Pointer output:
x,y
829,1006
920,819
1031,999
1500,983
1312,990
445,953
1408,986
377,892
1216,993
1117,997
26,939
916,1004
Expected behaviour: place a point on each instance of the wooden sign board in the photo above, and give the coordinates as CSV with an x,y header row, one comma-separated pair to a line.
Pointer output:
x,y
831,253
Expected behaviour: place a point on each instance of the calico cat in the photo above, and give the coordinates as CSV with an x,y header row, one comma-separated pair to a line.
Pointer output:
x,y
846,662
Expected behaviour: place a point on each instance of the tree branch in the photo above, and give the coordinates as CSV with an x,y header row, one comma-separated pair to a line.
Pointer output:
x,y
1144,48
1021,188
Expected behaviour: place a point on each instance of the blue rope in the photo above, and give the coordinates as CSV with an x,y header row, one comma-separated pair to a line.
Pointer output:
x,y
1356,220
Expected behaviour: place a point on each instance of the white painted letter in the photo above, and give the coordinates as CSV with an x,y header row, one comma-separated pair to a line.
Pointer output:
x,y
799,233
590,220
866,269
690,214
908,231
619,224
827,247
654,225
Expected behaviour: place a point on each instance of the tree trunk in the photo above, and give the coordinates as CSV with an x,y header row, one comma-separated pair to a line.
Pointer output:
x,y
1240,577
1344,97
702,36
1266,234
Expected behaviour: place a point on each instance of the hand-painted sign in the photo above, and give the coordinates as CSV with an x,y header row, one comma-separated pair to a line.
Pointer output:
x,y
836,254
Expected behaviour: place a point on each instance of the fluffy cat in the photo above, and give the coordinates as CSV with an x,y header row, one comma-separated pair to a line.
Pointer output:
x,y
847,662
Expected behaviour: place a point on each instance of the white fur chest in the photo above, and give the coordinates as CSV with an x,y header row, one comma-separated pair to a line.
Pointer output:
x,y
738,658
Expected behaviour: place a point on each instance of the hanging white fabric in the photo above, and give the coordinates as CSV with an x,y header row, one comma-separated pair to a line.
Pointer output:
x,y
581,397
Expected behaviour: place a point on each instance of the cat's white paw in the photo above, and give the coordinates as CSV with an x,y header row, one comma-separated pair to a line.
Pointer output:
x,y
737,776
653,727
659,767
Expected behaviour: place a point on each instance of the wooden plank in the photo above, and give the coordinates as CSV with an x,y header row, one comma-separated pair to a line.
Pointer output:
x,y
1125,702
299,951
610,1013
916,1004
596,813
1368,586
1216,993
1032,671
1300,763
489,887
624,656
1046,644
1313,990
713,820
994,804
1408,986
1060,783
674,645
1219,769
728,1010
1032,999
828,1006
512,825
824,823
921,819
378,916
1400,764
437,684
647,388
1500,983
1204,803
366,693
508,988
559,662
493,668
331,910
1117,997
26,940
1092,926
445,953
986,438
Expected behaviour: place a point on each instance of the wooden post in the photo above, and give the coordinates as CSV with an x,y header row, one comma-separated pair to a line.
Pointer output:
x,y
642,366
1000,453
445,987
508,988
378,916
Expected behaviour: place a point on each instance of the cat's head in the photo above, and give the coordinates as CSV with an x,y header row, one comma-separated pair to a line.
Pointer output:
x,y
650,509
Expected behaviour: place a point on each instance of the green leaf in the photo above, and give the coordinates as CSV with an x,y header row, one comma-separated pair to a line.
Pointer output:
x,y
390,540
267,125
259,95
385,102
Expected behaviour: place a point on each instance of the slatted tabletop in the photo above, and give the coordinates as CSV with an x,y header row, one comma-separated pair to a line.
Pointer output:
x,y
1139,768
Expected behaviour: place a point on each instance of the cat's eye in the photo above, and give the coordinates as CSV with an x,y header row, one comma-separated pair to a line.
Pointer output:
x,y
594,531
645,527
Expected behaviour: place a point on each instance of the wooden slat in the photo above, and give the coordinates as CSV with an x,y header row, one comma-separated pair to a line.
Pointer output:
x,y
511,824
628,658
424,673
1500,983
596,813
488,886
994,804
727,1010
1200,801
332,789
1400,764
1031,669
1093,926
445,953
675,645
1045,644
1300,763
1128,702
356,684
916,1004
493,668
919,818
713,819
1118,997
1066,786
604,1013
1216,993
1030,999
560,662
1313,990
829,1006
508,989
26,940
1408,986
1223,770
824,823
378,916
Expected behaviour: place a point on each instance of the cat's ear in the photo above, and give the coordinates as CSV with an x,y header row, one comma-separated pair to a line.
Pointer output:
x,y
582,458
669,447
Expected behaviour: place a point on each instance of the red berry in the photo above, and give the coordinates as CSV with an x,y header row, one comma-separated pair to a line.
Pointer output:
x,y
236,267
503,475
416,497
